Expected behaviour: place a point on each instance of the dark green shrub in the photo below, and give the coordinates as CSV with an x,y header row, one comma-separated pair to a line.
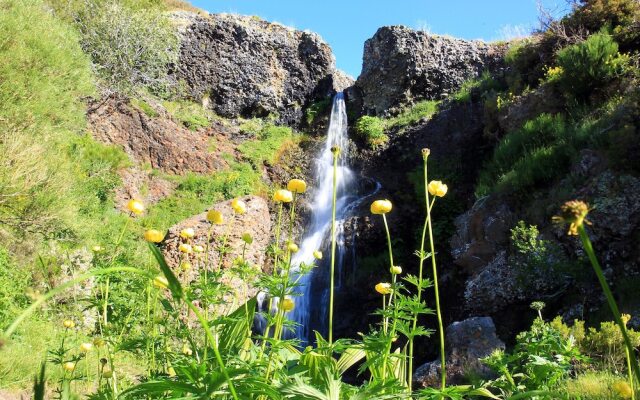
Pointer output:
x,y
621,16
589,65
316,109
525,59
371,129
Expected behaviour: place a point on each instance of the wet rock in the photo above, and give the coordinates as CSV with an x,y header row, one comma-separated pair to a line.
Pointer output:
x,y
468,341
401,66
245,66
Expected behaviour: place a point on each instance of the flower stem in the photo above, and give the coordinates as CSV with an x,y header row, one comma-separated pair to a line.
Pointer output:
x,y
443,370
586,243
333,243
391,300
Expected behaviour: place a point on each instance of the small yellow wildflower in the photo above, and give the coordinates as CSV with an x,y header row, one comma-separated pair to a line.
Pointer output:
x,y
625,318
160,282
437,188
622,389
186,350
135,206
69,366
574,213
185,248
380,207
67,323
283,196
317,255
383,288
86,347
97,249
198,249
215,217
335,149
239,206
292,247
187,233
185,266
297,186
286,305
153,236
396,270
98,342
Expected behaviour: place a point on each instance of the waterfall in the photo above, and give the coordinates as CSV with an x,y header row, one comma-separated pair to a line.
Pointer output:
x,y
312,304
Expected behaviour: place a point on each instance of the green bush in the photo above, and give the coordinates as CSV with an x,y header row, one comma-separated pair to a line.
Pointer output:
x,y
621,16
590,65
607,345
413,114
371,129
525,59
145,107
316,109
192,115
482,86
266,147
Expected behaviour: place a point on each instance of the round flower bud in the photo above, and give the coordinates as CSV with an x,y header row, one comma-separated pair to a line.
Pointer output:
x,y
186,350
383,288
69,366
381,207
292,247
198,249
425,153
98,342
160,282
335,149
187,233
86,347
97,249
286,305
107,374
437,188
297,186
135,206
67,323
185,248
247,238
625,318
153,236
185,266
283,196
396,270
215,217
317,255
239,206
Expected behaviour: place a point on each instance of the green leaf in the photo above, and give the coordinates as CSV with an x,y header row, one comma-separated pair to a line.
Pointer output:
x,y
174,283
349,358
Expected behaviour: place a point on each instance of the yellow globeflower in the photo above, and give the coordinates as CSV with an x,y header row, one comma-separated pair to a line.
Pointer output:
x,y
574,213
437,188
86,347
622,389
153,236
107,374
187,233
98,342
381,207
160,282
383,288
67,323
69,366
239,206
396,270
287,305
185,248
283,196
135,207
185,266
198,249
292,247
297,186
215,217
317,255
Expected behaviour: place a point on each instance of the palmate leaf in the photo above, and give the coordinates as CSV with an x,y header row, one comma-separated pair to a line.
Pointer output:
x,y
235,328
174,284
455,393
349,358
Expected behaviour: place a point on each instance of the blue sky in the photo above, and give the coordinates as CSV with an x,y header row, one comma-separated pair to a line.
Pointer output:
x,y
346,24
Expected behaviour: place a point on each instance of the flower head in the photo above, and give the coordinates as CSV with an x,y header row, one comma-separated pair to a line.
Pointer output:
x,y
437,188
107,374
247,238
317,255
283,196
574,213
239,206
335,149
153,236
185,248
98,342
297,186
286,305
135,206
186,350
198,249
622,389
185,266
67,323
425,153
625,318
383,288
160,282
215,217
69,366
292,247
396,270
381,207
97,249
187,233
86,347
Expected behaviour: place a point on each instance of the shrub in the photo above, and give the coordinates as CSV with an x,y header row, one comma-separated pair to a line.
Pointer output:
x,y
413,114
316,109
589,65
607,346
265,148
371,129
481,86
621,16
192,115
525,60
592,385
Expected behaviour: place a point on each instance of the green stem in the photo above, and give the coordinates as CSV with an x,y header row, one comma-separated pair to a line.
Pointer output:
x,y
586,243
391,300
443,370
333,243
630,374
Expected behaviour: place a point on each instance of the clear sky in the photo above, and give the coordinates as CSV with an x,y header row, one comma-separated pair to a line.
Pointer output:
x,y
346,24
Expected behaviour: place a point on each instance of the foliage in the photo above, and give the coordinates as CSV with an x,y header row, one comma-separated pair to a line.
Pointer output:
x,y
592,385
316,109
145,107
266,147
192,115
482,87
526,62
589,65
621,16
413,114
607,345
14,282
371,129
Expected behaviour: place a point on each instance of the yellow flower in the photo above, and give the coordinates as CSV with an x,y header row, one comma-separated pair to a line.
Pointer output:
x,y
286,305
198,249
383,288
97,249
292,247
622,389
381,207
107,374
185,248
69,366
239,206
247,238
215,216
317,255
625,318
153,236
67,323
297,186
396,270
283,196
574,213
187,233
186,350
437,188
185,266
135,206
160,282
98,342
335,149
86,347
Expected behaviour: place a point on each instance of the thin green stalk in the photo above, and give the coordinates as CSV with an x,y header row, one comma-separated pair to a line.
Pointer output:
x,y
586,243
630,374
391,300
333,242
443,369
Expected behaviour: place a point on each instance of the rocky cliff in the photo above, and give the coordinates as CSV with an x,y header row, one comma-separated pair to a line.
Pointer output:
x,y
245,66
401,66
